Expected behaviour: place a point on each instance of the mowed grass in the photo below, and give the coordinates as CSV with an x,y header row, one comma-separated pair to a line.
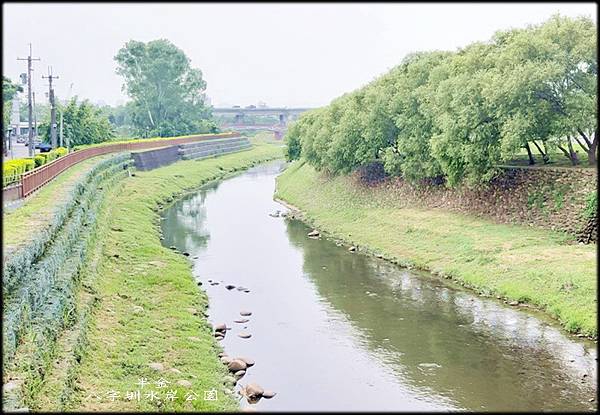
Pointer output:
x,y
38,209
539,267
150,309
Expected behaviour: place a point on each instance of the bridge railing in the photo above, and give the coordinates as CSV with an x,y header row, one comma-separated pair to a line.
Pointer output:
x,y
33,180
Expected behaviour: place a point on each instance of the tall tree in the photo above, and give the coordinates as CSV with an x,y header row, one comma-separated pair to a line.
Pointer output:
x,y
168,94
9,90
84,123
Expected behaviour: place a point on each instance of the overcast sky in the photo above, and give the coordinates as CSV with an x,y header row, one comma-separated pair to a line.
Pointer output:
x,y
295,55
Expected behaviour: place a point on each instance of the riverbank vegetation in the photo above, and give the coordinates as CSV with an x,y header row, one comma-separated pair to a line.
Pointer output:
x,y
519,263
456,116
150,308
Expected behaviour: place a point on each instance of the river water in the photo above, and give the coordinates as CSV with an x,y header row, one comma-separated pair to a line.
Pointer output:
x,y
339,331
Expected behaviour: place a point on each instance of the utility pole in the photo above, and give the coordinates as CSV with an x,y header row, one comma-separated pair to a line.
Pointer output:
x,y
35,120
29,60
61,129
67,141
50,77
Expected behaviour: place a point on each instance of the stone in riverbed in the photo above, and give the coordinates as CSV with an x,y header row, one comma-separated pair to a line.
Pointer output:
x,y
186,254
513,303
314,233
236,365
245,313
241,320
267,394
249,362
253,391
352,249
221,327
239,374
230,287
226,360
245,335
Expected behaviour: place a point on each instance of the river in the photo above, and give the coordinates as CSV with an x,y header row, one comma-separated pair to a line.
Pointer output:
x,y
339,331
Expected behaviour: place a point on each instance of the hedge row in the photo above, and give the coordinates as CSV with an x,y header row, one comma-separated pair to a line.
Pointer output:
x,y
51,262
13,169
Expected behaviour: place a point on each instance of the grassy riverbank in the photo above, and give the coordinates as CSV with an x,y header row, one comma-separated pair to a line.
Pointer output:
x,y
149,309
534,266
38,209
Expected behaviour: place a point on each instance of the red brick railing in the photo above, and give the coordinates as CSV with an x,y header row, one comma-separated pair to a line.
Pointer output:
x,y
33,180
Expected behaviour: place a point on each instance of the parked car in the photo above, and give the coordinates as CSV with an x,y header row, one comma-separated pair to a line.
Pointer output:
x,y
36,142
44,147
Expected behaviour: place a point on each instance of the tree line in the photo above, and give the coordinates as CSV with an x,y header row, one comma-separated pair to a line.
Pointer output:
x,y
458,115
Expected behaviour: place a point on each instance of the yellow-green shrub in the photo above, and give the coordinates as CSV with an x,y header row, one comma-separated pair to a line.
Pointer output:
x,y
12,169
39,159
61,151
9,174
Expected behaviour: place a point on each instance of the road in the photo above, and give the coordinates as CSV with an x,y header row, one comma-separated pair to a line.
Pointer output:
x,y
19,150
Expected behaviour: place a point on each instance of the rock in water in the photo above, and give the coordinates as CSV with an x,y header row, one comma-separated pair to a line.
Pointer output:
x,y
241,320
254,391
249,362
245,313
352,249
230,287
314,233
236,365
267,394
239,374
221,327
245,335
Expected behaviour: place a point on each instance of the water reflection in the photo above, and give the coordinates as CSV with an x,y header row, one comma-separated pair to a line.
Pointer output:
x,y
474,350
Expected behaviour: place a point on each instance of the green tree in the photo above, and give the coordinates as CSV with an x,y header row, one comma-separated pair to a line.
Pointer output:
x,y
545,85
9,90
83,123
167,93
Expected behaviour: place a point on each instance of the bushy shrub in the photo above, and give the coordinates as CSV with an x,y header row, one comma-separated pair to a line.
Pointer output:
x,y
9,174
61,151
12,169
39,160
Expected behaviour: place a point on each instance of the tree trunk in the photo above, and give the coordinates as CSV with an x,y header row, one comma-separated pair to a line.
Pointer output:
x,y
544,154
573,154
592,153
531,159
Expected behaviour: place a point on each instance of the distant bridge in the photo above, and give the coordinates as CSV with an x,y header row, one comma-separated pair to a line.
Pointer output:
x,y
277,129
285,114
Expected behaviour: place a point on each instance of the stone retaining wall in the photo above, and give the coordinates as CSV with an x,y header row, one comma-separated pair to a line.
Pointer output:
x,y
552,198
152,159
